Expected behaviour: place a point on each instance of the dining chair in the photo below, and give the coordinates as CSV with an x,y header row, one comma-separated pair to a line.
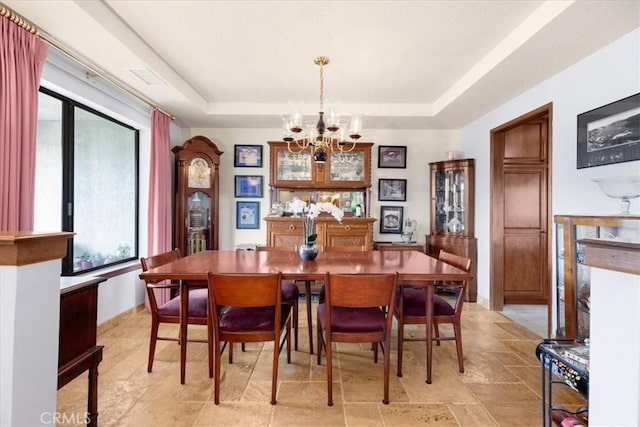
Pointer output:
x,y
411,308
290,290
247,308
358,309
169,312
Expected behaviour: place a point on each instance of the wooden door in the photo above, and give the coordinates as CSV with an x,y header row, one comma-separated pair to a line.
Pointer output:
x,y
520,211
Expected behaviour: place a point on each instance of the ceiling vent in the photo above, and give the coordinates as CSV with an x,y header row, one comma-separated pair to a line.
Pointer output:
x,y
147,76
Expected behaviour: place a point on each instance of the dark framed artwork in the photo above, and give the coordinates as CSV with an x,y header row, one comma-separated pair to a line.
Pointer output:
x,y
247,215
248,156
248,186
391,219
610,134
392,190
392,156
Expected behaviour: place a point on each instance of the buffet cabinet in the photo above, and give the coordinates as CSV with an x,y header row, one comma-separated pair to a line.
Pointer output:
x,y
573,275
344,180
287,231
451,213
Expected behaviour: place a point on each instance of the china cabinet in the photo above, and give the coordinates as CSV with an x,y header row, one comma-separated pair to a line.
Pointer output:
x,y
344,179
573,276
452,199
196,202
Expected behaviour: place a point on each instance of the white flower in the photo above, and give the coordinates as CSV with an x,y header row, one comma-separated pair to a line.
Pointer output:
x,y
315,209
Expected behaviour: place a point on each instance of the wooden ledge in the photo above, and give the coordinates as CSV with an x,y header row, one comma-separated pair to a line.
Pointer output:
x,y
612,255
26,247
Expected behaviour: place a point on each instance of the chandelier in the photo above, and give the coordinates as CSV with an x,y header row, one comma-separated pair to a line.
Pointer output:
x,y
322,137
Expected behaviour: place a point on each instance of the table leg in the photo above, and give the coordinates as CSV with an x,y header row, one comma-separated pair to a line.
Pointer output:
x,y
429,325
307,297
92,400
184,318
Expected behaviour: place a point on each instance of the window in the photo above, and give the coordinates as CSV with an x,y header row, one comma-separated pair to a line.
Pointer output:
x,y
86,182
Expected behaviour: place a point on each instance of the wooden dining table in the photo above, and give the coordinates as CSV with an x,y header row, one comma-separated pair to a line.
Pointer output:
x,y
412,266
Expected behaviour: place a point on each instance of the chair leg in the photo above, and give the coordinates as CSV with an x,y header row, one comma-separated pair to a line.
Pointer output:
x,y
400,345
274,368
320,341
437,333
216,379
295,325
457,330
375,352
288,341
152,344
328,351
387,364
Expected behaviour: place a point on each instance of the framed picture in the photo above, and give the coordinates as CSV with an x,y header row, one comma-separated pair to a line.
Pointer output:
x,y
610,134
247,215
392,156
248,156
248,185
391,219
392,190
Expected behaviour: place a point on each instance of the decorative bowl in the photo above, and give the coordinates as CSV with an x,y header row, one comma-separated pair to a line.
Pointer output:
x,y
623,188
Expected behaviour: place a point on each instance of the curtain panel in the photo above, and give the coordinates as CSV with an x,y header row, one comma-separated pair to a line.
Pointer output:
x,y
22,57
160,223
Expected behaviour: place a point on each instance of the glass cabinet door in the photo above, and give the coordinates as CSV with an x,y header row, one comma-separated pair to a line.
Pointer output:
x,y
347,166
450,207
561,326
292,166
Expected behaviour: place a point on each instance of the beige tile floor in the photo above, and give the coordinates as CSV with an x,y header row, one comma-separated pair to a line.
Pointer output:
x,y
500,385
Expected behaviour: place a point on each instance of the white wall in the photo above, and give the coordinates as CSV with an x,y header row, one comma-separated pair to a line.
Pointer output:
x,y
604,77
423,146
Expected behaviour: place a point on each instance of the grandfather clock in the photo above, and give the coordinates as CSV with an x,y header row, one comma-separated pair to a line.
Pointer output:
x,y
196,204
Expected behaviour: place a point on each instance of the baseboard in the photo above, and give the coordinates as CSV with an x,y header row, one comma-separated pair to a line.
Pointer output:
x,y
115,321
481,301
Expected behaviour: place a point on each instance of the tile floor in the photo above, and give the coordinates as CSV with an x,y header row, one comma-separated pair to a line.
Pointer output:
x,y
500,385
532,317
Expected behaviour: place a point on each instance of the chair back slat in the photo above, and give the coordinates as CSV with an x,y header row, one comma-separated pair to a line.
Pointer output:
x,y
160,259
455,260
361,290
242,290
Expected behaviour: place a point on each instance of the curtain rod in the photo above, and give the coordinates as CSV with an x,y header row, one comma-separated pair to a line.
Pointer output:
x,y
31,28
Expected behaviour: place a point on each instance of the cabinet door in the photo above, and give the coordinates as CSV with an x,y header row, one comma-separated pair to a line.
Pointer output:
x,y
291,169
289,232
349,234
452,197
349,169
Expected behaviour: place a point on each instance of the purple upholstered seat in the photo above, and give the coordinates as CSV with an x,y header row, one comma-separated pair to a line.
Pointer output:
x,y
239,319
198,301
414,304
345,319
290,290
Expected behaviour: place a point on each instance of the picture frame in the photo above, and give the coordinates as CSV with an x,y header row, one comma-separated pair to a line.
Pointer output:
x,y
609,134
249,186
392,156
247,156
247,215
392,190
391,219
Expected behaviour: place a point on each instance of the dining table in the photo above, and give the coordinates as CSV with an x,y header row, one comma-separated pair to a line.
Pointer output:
x,y
414,268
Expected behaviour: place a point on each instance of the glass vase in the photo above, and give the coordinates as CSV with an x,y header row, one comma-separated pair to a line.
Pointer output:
x,y
308,252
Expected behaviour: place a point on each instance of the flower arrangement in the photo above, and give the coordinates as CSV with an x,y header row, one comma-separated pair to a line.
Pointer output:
x,y
309,219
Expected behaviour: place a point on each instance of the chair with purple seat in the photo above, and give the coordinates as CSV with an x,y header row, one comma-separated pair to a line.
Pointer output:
x,y
169,312
247,308
290,291
358,309
411,309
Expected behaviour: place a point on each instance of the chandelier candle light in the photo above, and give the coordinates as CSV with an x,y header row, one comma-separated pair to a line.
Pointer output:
x,y
321,138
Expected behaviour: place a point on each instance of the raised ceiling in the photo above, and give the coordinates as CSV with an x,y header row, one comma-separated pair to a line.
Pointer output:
x,y
403,64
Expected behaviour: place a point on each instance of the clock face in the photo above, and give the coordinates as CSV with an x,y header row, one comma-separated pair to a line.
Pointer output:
x,y
199,173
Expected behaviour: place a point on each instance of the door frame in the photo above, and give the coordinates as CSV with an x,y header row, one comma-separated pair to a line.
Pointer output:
x,y
496,185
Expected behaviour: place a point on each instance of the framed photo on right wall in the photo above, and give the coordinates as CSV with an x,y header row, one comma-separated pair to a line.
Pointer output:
x,y
610,134
391,219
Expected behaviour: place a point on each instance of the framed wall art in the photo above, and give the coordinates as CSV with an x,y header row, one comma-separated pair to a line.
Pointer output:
x,y
247,215
391,219
248,156
248,186
392,190
392,156
610,134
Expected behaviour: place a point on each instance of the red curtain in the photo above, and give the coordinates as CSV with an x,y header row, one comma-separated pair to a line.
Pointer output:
x,y
159,239
22,57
